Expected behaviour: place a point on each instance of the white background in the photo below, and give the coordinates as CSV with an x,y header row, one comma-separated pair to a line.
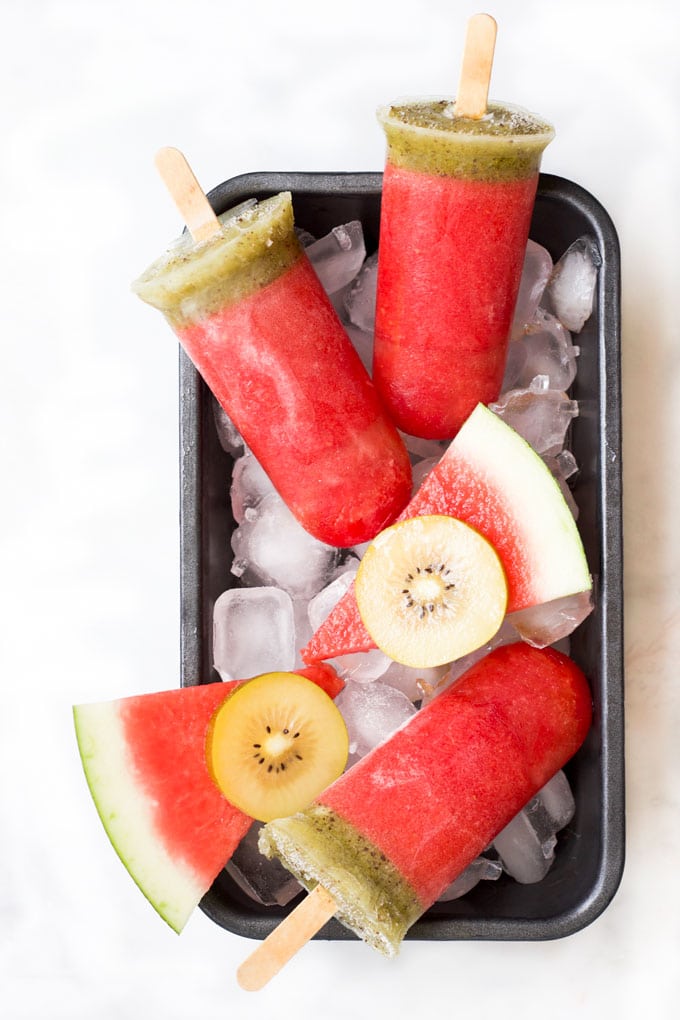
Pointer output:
x,y
90,569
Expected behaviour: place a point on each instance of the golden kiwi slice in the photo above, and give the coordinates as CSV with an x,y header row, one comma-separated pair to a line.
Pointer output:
x,y
277,742
430,589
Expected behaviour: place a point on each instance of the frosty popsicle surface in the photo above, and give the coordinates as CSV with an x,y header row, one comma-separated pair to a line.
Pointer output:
x,y
457,199
395,830
252,315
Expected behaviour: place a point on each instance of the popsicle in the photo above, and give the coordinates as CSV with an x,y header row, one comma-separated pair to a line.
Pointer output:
x,y
251,314
387,837
458,192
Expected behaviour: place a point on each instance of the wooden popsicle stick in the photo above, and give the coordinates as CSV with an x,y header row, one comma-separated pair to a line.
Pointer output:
x,y
283,943
475,72
186,192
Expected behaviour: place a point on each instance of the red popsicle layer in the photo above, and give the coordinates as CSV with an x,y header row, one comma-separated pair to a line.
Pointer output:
x,y
451,255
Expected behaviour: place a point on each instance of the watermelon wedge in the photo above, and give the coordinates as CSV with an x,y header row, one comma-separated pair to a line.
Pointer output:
x,y
493,480
145,763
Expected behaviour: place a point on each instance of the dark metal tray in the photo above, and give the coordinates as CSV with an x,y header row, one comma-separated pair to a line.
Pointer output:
x,y
590,852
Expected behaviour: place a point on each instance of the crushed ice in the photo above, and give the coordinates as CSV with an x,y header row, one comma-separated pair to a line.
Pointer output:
x,y
571,289
288,582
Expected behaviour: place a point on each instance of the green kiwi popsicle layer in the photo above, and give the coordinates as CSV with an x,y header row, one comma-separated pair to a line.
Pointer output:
x,y
256,244
425,136
319,847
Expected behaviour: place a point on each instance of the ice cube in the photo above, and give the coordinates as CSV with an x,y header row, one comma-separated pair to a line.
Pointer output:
x,y
545,348
572,286
527,844
326,599
272,548
526,856
562,467
263,880
515,364
538,266
540,415
481,868
362,667
558,800
421,470
372,712
564,464
360,298
253,632
249,485
230,438
551,621
422,449
362,344
338,256
303,629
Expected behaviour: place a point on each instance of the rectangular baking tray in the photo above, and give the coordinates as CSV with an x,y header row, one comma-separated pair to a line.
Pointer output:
x,y
590,852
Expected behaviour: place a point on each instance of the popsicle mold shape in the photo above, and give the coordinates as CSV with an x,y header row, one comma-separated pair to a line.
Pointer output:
x,y
395,830
253,317
457,199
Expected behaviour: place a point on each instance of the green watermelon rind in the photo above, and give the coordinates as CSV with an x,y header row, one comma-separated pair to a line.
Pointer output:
x,y
172,888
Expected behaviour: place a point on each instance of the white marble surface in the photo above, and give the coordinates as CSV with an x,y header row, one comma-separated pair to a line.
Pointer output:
x,y
89,436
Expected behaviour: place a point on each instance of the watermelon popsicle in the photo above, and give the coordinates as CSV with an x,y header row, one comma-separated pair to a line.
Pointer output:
x,y
251,314
385,840
458,193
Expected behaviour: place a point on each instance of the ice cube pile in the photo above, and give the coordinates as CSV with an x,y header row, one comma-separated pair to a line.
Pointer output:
x,y
286,582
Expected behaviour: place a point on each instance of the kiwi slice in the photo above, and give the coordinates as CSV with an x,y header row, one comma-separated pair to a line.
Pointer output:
x,y
277,742
430,589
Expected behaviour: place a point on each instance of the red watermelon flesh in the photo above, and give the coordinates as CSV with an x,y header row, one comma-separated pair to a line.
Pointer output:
x,y
325,677
145,763
491,479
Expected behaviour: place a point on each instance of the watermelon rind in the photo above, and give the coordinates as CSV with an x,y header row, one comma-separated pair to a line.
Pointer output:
x,y
171,886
